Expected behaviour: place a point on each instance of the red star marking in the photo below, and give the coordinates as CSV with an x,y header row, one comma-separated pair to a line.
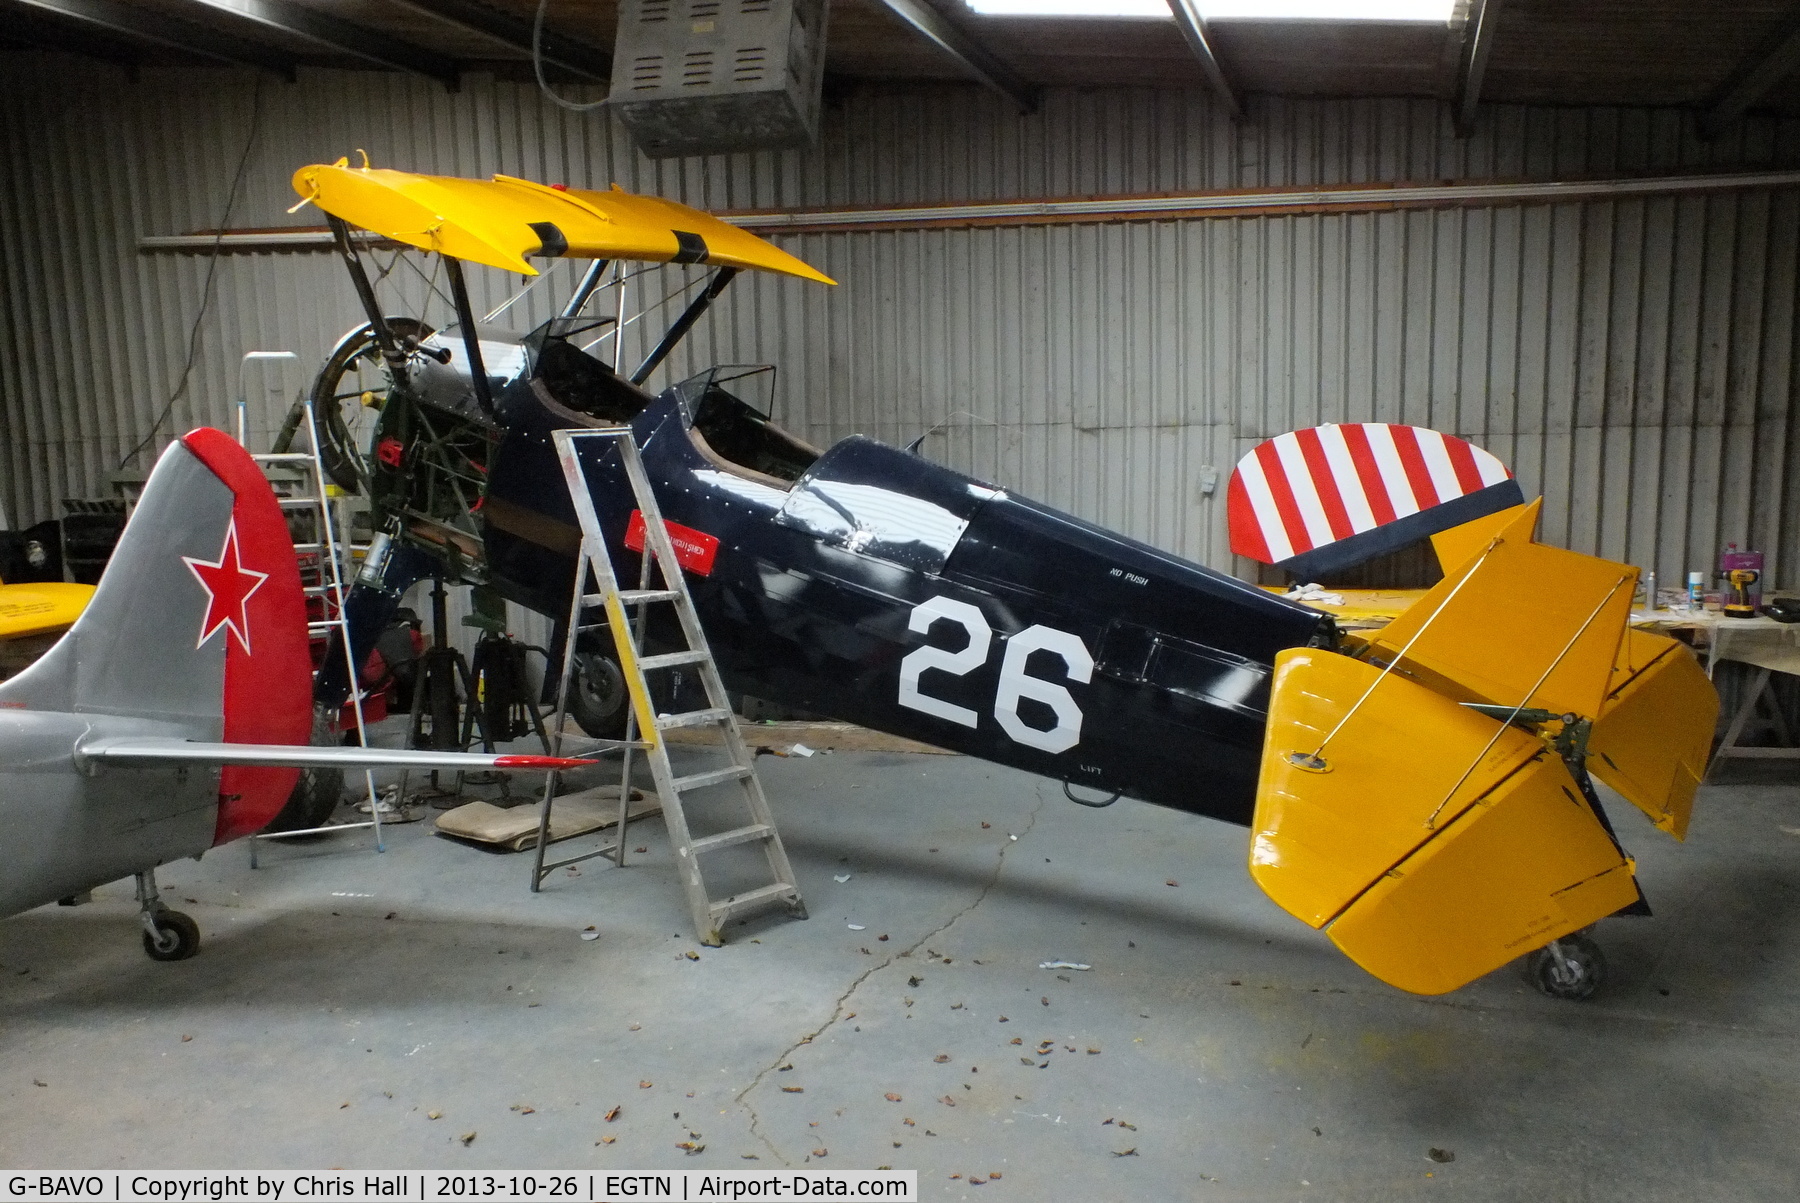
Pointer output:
x,y
228,586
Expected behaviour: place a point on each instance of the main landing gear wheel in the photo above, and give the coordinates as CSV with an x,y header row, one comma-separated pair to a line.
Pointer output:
x,y
318,790
598,698
176,937
1571,968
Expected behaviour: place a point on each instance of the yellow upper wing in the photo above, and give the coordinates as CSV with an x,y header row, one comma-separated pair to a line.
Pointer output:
x,y
503,222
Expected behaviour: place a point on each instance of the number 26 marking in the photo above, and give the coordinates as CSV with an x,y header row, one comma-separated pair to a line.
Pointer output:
x,y
1014,684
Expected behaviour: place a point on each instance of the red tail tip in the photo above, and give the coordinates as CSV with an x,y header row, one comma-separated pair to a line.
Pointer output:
x,y
540,762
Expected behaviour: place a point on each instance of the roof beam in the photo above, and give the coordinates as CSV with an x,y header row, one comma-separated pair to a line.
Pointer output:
x,y
359,41
27,28
1478,43
571,54
160,29
970,54
1772,62
1193,28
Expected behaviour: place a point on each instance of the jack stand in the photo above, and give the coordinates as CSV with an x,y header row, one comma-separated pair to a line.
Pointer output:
x,y
168,935
502,696
441,668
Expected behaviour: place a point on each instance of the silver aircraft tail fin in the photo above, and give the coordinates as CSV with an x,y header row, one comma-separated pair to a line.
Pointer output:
x,y
199,619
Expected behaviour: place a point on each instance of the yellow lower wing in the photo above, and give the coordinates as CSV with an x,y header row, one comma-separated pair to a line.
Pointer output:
x,y
1434,842
1429,860
1654,733
40,608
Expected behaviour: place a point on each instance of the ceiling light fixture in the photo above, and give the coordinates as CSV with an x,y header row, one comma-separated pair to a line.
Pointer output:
x,y
1438,11
1070,8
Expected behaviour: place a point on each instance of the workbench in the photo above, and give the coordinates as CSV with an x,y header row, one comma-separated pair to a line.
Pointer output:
x,y
1761,642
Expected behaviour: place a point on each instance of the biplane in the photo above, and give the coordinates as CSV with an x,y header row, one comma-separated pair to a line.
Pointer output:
x,y
1421,792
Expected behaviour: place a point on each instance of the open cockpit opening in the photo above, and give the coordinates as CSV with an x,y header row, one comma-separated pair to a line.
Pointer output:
x,y
728,428
581,381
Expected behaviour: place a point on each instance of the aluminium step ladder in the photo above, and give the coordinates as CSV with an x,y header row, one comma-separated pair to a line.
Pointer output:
x,y
597,588
330,591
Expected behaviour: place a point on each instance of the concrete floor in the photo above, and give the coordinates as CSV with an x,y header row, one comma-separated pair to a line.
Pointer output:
x,y
343,997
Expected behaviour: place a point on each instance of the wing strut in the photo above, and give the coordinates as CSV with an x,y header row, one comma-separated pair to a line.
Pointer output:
x,y
365,292
684,323
465,318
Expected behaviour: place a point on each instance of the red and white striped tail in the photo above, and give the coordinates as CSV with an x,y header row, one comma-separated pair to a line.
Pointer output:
x,y
1322,499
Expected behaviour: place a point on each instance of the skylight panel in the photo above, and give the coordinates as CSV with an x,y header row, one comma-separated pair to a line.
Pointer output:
x,y
1438,11
1070,8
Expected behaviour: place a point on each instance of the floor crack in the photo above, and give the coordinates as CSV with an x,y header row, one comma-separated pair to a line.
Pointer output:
x,y
837,1011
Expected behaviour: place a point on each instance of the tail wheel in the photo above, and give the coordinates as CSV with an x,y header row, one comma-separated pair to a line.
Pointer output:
x,y
318,791
1571,968
347,395
177,937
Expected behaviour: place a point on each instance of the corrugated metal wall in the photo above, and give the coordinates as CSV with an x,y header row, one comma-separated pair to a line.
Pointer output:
x,y
1633,360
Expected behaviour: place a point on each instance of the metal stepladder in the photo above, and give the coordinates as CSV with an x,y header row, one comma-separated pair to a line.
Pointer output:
x,y
597,588
331,592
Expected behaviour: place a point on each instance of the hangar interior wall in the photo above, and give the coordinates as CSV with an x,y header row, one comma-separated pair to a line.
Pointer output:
x,y
1633,360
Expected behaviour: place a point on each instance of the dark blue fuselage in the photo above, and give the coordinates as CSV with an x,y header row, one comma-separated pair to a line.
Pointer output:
x,y
884,590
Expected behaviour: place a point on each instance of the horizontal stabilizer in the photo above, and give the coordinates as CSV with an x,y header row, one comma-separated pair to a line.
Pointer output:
x,y
1655,729
138,750
1434,844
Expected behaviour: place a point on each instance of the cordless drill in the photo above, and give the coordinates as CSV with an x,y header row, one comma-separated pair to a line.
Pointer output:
x,y
1738,605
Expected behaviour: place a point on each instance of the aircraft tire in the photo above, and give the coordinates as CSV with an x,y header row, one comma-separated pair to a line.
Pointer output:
x,y
1583,972
186,935
598,699
318,791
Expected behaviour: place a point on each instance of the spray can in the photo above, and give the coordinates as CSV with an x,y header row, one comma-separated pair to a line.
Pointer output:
x,y
1650,590
1696,591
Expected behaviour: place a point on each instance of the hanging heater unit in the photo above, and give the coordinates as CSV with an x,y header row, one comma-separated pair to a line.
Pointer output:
x,y
698,77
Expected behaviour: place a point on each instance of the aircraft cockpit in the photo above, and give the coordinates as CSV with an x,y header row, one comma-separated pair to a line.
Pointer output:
x,y
738,435
577,379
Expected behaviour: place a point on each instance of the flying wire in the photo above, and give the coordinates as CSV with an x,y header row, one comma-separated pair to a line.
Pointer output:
x,y
1431,821
206,289
1313,761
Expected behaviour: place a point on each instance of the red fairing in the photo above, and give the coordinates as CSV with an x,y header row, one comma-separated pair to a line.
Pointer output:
x,y
257,607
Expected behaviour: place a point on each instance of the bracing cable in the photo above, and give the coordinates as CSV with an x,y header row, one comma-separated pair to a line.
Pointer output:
x,y
206,289
537,66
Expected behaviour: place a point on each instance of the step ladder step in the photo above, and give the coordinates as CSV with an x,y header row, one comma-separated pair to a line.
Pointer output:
x,y
755,825
751,899
694,781
671,660
727,839
692,718
632,597
284,457
299,503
